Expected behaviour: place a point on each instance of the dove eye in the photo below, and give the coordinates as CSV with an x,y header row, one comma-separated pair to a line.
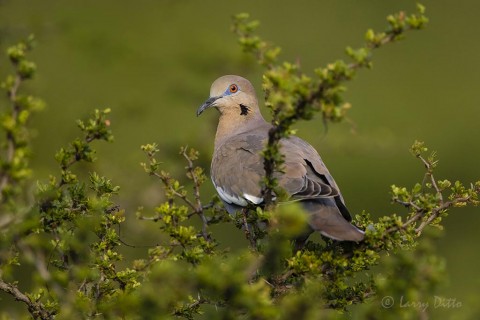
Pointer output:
x,y
232,88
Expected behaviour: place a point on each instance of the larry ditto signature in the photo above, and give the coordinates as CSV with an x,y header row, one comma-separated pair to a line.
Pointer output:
x,y
438,302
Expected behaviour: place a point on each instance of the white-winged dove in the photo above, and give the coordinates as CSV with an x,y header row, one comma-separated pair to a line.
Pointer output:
x,y
237,165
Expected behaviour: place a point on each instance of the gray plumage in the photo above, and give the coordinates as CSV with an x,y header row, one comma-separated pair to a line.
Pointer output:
x,y
237,165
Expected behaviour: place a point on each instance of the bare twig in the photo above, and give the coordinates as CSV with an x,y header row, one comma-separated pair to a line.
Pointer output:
x,y
407,204
248,233
429,176
437,211
199,301
36,309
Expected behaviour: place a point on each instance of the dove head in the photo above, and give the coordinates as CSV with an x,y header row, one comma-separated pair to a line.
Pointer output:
x,y
234,97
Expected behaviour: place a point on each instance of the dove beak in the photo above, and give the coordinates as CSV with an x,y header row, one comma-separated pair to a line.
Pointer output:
x,y
209,103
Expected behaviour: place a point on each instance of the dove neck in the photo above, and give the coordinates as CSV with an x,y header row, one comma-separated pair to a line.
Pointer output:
x,y
229,127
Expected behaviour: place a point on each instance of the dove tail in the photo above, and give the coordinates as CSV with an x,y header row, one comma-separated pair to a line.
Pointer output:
x,y
326,218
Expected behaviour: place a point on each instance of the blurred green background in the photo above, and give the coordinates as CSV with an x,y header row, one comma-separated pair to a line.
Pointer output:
x,y
152,62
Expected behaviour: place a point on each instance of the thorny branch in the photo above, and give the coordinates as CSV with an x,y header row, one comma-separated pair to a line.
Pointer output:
x,y
198,208
442,206
192,173
166,182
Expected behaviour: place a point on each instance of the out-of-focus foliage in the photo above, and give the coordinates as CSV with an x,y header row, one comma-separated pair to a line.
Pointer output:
x,y
14,118
68,233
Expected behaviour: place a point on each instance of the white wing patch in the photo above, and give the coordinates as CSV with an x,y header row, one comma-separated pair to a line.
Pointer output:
x,y
252,199
239,201
229,198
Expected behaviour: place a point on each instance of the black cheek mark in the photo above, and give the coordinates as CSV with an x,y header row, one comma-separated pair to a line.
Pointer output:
x,y
244,110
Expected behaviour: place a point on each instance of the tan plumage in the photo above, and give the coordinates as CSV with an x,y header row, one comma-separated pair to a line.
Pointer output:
x,y
237,166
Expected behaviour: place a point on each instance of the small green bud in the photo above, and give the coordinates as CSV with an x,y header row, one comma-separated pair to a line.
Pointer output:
x,y
16,53
370,35
26,69
421,8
